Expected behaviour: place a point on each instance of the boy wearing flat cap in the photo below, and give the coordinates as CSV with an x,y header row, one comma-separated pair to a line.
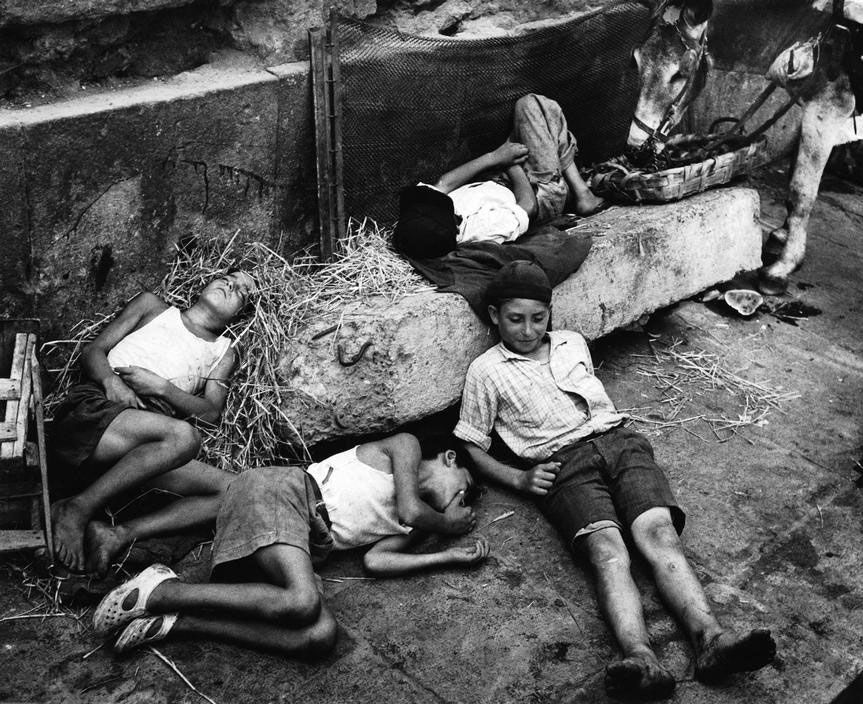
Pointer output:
x,y
593,479
534,179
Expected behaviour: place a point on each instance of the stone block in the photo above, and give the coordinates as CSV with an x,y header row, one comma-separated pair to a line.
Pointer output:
x,y
296,165
27,12
15,283
417,350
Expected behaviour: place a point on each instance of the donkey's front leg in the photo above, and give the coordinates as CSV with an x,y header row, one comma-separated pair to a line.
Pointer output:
x,y
823,117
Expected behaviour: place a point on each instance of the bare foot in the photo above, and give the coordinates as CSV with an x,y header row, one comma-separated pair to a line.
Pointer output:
x,y
587,203
104,543
638,676
726,652
69,522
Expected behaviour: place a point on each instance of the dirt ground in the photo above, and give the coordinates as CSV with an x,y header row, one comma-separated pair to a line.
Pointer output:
x,y
758,422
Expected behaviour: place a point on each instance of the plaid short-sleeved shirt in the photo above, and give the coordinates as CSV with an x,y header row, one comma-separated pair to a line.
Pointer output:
x,y
536,407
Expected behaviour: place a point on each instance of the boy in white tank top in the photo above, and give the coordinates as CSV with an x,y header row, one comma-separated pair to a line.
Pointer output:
x,y
277,522
124,426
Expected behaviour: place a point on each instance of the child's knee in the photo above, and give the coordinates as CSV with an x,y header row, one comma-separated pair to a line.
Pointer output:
x,y
299,606
606,549
185,439
323,635
525,102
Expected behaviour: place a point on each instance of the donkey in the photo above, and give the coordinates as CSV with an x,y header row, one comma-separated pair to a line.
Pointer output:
x,y
673,64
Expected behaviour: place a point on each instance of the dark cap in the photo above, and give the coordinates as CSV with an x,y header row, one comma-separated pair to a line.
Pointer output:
x,y
427,225
519,279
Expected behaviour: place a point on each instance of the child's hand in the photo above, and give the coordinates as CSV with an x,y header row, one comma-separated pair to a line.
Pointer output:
x,y
470,555
540,478
117,391
510,154
142,381
460,519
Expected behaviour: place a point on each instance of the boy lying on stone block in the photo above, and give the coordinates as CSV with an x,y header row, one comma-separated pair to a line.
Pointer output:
x,y
277,522
124,427
535,179
593,479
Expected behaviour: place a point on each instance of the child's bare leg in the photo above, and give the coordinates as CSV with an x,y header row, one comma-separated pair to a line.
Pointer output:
x,y
314,640
639,672
718,652
140,445
200,488
287,615
585,202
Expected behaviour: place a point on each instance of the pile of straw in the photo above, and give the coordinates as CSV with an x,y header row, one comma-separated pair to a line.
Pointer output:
x,y
254,430
681,375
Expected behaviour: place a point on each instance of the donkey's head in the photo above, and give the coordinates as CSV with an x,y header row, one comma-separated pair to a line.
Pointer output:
x,y
672,65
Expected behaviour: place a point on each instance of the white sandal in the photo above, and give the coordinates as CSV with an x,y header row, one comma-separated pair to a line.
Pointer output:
x,y
111,614
145,630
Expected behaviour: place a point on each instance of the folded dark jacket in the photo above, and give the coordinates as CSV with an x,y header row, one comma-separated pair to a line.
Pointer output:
x,y
469,269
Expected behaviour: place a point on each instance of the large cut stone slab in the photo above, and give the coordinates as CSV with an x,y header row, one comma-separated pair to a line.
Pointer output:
x,y
417,350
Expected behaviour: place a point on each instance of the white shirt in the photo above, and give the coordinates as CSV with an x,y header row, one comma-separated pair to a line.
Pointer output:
x,y
167,348
489,213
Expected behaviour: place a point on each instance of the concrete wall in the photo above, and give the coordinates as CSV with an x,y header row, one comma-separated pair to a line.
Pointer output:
x,y
98,190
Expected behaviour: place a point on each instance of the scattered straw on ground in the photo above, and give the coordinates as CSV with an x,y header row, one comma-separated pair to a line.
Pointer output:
x,y
254,429
44,593
682,375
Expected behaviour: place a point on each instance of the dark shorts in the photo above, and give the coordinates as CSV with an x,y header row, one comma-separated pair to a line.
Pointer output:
x,y
263,507
610,477
78,425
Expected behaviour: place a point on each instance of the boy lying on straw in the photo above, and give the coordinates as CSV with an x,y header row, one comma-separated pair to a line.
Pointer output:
x,y
594,480
122,429
277,522
534,180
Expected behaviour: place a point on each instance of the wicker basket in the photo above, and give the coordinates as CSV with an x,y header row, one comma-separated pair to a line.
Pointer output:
x,y
616,181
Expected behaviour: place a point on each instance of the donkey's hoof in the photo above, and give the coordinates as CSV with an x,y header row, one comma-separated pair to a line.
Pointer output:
x,y
771,285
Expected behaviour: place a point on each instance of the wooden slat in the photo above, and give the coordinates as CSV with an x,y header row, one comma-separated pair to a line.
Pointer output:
x,y
19,361
334,82
8,431
323,141
10,389
21,539
40,443
15,448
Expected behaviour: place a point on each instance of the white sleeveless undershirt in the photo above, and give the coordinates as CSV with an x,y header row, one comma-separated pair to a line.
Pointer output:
x,y
167,348
360,500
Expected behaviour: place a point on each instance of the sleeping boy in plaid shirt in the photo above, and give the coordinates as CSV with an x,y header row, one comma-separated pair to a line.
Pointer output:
x,y
593,479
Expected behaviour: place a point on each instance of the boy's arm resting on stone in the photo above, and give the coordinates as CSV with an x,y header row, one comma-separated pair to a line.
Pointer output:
x,y
537,480
505,156
94,355
208,407
404,452
389,557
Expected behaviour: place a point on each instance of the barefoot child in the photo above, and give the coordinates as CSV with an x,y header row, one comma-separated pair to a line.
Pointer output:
x,y
276,522
593,480
124,428
534,179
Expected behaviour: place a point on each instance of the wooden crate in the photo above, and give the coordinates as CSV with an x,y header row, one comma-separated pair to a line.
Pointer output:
x,y
25,515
